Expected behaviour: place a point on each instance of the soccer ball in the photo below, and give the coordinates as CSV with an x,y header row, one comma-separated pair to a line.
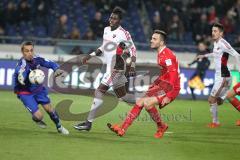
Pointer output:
x,y
36,76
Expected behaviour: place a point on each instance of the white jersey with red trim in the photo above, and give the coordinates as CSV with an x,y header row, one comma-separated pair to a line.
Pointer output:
x,y
221,52
110,41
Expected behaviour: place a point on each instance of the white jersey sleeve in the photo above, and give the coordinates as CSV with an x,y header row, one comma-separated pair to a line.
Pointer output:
x,y
226,47
126,37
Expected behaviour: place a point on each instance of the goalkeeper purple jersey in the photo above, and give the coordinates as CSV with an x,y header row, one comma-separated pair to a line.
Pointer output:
x,y
24,67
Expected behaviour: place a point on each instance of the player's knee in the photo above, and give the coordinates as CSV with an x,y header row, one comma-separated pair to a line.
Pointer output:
x,y
37,115
220,101
139,102
48,108
212,100
120,92
231,94
148,107
146,104
99,93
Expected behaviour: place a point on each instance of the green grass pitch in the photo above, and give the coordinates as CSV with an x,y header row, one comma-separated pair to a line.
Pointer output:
x,y
187,137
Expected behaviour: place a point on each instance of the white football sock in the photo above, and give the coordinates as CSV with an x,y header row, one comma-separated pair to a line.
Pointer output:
x,y
95,105
214,111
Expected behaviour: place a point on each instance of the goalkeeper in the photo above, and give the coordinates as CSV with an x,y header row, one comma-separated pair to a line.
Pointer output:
x,y
32,94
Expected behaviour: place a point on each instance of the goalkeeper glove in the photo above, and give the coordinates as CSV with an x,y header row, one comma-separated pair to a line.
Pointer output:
x,y
21,78
58,72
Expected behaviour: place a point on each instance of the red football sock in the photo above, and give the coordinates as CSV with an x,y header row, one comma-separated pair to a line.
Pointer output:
x,y
132,115
236,103
153,112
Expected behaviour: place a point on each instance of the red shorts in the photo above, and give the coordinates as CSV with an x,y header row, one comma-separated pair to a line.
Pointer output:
x,y
160,93
236,88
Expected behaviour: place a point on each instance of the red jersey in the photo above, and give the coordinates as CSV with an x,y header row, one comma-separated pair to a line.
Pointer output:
x,y
168,64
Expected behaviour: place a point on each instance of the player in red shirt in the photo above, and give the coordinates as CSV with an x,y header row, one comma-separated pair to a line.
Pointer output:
x,y
233,100
163,90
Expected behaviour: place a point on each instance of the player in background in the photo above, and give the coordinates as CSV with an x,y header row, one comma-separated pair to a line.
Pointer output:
x,y
231,97
32,95
163,90
221,51
202,66
114,34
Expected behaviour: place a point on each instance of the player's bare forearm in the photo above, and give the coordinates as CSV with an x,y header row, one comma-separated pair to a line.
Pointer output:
x,y
98,52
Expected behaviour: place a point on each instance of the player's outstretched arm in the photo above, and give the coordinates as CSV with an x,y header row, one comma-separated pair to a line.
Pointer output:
x,y
52,65
48,64
194,61
203,56
98,52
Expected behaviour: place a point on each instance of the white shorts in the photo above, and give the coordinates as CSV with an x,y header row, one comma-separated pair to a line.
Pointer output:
x,y
221,86
114,79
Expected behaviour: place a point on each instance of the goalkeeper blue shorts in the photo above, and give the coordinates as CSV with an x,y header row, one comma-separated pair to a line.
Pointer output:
x,y
31,101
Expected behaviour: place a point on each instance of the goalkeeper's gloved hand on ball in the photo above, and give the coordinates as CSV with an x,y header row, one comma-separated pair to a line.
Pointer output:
x,y
58,72
21,78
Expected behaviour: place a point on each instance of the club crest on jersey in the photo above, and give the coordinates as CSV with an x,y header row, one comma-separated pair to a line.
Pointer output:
x,y
168,62
114,35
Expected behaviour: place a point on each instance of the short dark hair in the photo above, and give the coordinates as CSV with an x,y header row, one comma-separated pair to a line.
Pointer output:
x,y
162,34
27,43
118,11
219,26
